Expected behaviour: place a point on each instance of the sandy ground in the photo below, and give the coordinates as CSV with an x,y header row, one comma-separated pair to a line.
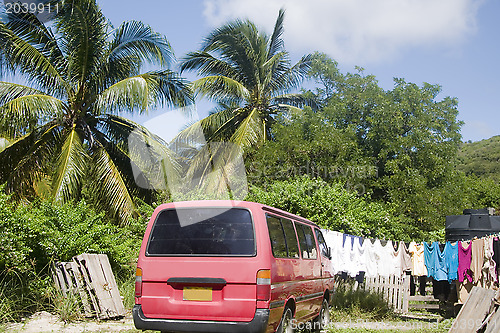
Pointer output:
x,y
46,322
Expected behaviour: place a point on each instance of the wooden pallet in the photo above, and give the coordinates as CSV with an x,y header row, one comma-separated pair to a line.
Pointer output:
x,y
90,276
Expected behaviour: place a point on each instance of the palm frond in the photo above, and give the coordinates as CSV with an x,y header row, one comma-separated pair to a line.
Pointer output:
x,y
70,168
28,27
147,152
207,64
109,187
84,31
25,160
293,76
237,42
134,38
276,42
211,128
221,88
23,113
249,132
136,184
20,56
140,92
297,100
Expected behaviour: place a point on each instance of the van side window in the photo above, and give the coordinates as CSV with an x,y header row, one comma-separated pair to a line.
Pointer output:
x,y
322,243
291,239
277,236
307,241
302,240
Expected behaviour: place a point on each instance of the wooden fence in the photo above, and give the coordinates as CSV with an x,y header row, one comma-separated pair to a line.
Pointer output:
x,y
395,289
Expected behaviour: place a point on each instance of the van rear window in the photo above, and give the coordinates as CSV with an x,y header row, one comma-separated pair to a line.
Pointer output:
x,y
202,232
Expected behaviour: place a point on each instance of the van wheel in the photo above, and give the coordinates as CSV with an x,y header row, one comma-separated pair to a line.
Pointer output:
x,y
322,321
286,322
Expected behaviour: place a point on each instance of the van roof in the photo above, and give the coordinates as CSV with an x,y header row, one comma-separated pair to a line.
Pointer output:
x,y
230,203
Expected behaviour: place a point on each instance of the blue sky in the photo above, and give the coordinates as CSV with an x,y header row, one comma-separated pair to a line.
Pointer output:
x,y
453,43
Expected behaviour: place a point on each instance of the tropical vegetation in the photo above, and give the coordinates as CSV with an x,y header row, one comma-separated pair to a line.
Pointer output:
x,y
346,154
61,127
250,76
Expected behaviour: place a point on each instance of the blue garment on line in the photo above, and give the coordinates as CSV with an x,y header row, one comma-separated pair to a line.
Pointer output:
x,y
451,257
435,262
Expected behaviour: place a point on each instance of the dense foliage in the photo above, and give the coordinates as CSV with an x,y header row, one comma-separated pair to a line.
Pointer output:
x,y
332,207
481,158
399,146
62,127
36,235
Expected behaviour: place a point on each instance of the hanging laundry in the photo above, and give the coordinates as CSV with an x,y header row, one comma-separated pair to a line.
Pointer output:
x,y
349,256
402,261
386,260
464,261
334,240
371,258
417,259
489,265
476,264
435,262
405,257
451,257
496,255
360,255
464,282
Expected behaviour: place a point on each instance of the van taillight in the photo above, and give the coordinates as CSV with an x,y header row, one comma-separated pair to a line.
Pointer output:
x,y
138,282
264,285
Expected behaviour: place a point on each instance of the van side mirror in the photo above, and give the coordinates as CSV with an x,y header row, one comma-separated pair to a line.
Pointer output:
x,y
329,253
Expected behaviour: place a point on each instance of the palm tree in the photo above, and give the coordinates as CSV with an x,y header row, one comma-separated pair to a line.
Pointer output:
x,y
250,76
62,126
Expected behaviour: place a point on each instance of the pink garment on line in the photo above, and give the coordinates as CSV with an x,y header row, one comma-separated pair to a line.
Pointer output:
x,y
464,260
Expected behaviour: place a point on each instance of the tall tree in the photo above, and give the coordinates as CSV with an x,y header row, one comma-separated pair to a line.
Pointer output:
x,y
62,125
410,136
250,75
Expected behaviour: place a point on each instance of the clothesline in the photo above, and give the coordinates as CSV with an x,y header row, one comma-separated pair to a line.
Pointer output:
x,y
475,260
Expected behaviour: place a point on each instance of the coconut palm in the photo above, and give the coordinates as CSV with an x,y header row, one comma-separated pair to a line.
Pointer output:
x,y
250,76
61,121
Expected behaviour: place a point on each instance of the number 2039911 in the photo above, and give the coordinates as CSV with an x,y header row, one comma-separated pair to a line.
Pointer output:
x,y
20,7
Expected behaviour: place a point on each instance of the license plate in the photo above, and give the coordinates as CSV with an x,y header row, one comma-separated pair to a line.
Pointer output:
x,y
202,294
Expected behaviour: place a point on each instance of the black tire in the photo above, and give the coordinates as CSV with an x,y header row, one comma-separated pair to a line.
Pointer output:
x,y
322,321
285,325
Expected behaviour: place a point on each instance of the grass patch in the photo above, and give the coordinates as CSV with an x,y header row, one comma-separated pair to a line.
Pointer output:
x,y
348,303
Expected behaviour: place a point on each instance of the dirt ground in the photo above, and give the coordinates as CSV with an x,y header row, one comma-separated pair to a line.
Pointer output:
x,y
46,322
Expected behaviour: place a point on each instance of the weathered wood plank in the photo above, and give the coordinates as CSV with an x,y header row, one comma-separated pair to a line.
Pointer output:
x,y
421,306
112,286
474,311
87,282
80,283
418,298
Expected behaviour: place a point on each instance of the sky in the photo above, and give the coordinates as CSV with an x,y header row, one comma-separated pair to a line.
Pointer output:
x,y
453,43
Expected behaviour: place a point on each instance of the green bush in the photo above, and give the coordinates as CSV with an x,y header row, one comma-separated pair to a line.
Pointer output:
x,y
332,206
368,304
37,234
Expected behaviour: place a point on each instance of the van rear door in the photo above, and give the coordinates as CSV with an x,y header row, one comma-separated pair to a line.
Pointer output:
x,y
200,263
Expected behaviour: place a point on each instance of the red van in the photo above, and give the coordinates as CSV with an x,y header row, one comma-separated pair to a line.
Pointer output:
x,y
231,266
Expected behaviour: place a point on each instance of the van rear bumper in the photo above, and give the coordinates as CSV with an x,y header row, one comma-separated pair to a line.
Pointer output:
x,y
257,325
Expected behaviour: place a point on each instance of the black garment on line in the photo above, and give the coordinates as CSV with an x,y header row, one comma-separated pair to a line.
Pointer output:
x,y
496,252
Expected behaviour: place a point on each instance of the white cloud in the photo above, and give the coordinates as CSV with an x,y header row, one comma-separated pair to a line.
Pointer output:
x,y
356,31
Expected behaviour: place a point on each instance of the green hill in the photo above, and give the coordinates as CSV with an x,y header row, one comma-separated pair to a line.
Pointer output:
x,y
481,158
